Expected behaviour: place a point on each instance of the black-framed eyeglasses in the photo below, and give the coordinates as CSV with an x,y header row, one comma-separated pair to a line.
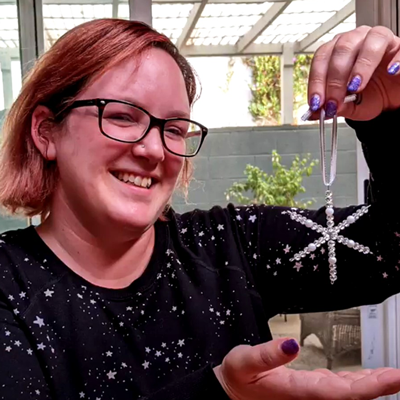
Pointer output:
x,y
127,123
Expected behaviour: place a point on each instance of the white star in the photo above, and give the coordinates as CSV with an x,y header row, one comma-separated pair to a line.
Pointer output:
x,y
48,293
167,359
146,365
11,297
181,342
22,295
168,252
183,230
159,276
39,322
142,312
312,256
174,308
379,258
81,395
16,312
17,343
385,275
168,265
217,313
8,349
124,365
201,233
26,259
111,375
158,353
278,261
222,322
211,309
238,217
29,351
220,227
148,350
164,345
212,237
268,266
92,301
286,249
255,256
315,267
121,324
37,391
109,353
298,266
129,308
41,346
80,296
329,234
253,218
52,350
228,312
180,355
8,333
397,234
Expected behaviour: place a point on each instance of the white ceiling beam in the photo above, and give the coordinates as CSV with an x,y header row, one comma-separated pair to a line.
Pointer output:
x,y
231,51
267,19
191,22
325,28
12,2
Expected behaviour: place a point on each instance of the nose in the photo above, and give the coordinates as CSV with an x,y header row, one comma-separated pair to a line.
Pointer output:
x,y
150,147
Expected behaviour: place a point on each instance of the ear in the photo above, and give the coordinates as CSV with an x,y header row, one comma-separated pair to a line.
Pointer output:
x,y
41,134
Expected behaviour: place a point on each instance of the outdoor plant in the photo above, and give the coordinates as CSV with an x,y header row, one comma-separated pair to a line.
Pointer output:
x,y
280,188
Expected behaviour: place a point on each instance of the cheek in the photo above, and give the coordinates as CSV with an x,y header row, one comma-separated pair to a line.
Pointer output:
x,y
172,167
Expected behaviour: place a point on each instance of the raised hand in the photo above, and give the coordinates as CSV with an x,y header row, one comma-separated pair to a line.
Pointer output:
x,y
258,373
365,60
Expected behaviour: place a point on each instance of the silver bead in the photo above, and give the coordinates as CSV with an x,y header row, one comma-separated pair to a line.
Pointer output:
x,y
351,219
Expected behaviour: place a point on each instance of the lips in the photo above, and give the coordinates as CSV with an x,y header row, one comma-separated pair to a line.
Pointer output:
x,y
136,180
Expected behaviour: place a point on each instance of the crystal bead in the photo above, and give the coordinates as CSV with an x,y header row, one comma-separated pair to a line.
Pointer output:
x,y
361,248
366,250
356,246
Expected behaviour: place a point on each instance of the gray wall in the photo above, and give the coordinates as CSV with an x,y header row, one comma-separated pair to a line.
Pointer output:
x,y
226,153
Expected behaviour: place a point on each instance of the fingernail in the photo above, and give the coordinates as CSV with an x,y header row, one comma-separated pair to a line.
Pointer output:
x,y
290,347
355,84
394,69
331,109
315,103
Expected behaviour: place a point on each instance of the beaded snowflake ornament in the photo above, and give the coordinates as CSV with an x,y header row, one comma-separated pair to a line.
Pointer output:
x,y
331,233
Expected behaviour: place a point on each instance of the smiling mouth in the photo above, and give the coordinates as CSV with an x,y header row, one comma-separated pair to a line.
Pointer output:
x,y
130,179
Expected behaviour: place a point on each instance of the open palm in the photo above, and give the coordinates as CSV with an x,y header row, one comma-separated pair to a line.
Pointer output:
x,y
287,384
259,373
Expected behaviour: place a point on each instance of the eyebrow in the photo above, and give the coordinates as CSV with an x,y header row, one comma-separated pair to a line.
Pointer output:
x,y
172,113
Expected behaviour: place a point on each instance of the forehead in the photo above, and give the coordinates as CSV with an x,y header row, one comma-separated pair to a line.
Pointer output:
x,y
153,81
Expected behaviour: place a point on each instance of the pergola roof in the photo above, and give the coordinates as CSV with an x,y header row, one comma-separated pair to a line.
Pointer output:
x,y
205,28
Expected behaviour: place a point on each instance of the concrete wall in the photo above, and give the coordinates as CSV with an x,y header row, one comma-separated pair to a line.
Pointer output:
x,y
227,151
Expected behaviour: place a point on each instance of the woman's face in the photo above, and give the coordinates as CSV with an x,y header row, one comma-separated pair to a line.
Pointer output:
x,y
94,169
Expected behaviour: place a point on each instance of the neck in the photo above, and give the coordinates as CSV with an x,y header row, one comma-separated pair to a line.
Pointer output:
x,y
103,261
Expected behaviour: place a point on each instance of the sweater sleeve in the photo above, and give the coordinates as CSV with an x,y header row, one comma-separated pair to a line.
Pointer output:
x,y
199,385
270,237
21,372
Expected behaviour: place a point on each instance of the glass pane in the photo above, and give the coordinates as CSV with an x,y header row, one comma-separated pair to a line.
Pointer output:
x,y
10,79
59,18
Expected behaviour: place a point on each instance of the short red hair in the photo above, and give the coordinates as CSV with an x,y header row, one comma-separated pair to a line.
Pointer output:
x,y
27,180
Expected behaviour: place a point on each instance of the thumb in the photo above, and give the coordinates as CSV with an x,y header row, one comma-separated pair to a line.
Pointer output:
x,y
243,363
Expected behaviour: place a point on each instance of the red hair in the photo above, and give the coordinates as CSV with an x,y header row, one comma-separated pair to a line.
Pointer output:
x,y
27,180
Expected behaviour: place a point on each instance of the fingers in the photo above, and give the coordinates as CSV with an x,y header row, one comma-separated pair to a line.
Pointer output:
x,y
380,383
376,44
244,363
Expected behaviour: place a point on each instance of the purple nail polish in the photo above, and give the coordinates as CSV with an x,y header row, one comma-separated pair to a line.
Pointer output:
x,y
355,84
331,109
290,347
315,103
394,69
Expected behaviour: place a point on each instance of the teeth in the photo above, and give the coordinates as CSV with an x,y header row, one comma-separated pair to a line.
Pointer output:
x,y
135,180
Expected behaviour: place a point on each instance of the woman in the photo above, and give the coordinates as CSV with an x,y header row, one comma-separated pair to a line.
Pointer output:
x,y
115,296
